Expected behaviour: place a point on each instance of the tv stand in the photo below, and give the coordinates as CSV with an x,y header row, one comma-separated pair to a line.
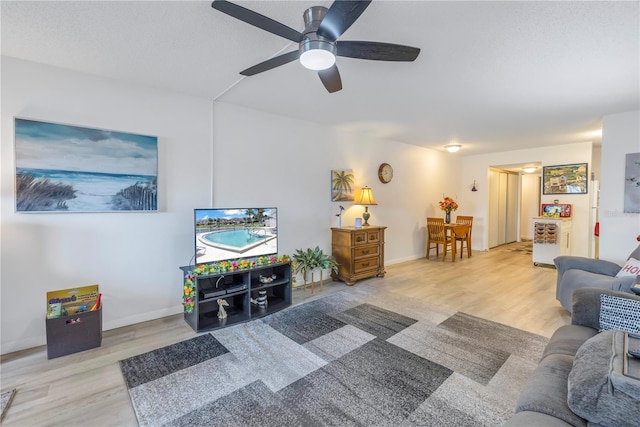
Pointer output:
x,y
237,288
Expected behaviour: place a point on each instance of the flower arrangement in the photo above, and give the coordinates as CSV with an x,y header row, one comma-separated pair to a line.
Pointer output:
x,y
448,204
189,289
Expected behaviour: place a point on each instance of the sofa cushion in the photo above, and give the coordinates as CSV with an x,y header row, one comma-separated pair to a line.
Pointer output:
x,y
597,389
619,313
636,253
577,279
568,339
630,268
586,305
546,390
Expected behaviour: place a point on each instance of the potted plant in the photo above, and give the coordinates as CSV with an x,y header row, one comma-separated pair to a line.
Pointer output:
x,y
326,262
310,260
304,262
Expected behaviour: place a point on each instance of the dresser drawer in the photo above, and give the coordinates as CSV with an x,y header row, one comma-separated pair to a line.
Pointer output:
x,y
365,264
363,251
359,238
373,236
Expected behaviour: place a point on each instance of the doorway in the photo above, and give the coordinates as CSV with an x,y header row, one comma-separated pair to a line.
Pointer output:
x,y
504,197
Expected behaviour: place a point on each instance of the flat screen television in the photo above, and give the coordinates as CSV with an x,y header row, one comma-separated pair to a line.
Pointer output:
x,y
227,234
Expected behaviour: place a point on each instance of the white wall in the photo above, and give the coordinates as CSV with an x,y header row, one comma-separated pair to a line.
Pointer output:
x,y
476,168
229,157
134,257
529,206
596,158
287,163
618,230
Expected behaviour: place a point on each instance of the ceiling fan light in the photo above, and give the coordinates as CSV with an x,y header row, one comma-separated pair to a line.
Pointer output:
x,y
317,59
317,54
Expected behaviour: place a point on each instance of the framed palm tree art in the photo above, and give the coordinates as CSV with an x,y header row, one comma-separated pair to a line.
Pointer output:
x,y
342,185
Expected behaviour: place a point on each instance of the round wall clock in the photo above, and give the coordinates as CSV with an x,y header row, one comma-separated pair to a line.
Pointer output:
x,y
385,173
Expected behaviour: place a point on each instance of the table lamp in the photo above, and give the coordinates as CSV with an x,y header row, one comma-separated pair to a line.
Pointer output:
x,y
366,199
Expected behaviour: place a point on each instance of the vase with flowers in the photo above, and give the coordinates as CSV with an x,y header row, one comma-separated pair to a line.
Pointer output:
x,y
448,204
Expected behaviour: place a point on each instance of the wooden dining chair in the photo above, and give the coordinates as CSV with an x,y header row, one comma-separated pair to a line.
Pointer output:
x,y
465,240
436,234
458,231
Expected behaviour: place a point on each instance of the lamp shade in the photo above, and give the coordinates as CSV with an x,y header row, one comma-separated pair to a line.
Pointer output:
x,y
366,197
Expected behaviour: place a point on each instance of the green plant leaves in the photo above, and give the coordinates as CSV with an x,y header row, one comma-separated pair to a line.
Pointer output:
x,y
311,259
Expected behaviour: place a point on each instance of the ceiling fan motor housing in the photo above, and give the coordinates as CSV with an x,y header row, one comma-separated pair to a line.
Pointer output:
x,y
311,40
313,17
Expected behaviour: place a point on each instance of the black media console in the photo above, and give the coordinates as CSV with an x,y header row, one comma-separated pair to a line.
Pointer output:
x,y
238,289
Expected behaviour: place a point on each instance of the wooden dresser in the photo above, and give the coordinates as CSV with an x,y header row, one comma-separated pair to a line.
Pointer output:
x,y
359,252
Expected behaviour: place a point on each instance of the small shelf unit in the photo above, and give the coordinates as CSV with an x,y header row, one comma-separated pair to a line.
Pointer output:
x,y
552,238
238,288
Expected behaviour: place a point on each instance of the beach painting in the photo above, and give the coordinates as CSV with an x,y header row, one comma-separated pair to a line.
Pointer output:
x,y
342,185
63,168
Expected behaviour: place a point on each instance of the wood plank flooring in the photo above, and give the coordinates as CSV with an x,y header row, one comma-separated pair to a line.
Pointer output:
x,y
87,389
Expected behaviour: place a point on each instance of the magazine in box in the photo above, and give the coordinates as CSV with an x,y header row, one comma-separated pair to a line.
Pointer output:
x,y
68,302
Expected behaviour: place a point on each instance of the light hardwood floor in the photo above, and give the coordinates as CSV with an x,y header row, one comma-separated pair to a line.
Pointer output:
x,y
87,388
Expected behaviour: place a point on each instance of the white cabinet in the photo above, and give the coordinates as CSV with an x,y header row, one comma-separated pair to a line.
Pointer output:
x,y
551,238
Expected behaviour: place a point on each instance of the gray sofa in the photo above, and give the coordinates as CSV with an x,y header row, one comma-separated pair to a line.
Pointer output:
x,y
549,393
578,272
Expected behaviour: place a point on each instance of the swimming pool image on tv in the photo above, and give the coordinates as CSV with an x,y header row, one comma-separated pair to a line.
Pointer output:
x,y
237,240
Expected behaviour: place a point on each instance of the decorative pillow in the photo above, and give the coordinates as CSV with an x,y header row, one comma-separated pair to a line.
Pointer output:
x,y
597,389
630,268
618,313
636,252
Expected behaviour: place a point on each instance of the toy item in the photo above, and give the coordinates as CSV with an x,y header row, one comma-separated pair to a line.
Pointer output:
x,y
222,313
261,301
96,306
266,279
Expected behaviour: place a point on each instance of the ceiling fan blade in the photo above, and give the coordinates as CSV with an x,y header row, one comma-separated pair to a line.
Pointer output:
x,y
340,16
377,51
331,79
271,63
257,20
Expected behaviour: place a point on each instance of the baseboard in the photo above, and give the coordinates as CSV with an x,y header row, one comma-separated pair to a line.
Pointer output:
x,y
141,317
40,340
23,344
399,260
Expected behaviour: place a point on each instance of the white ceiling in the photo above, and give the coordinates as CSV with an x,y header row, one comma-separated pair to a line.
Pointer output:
x,y
495,76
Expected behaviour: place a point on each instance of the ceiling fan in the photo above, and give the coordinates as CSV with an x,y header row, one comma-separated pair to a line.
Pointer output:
x,y
318,43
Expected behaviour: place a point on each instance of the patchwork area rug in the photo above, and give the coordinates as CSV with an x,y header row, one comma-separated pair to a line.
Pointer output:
x,y
525,247
360,357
